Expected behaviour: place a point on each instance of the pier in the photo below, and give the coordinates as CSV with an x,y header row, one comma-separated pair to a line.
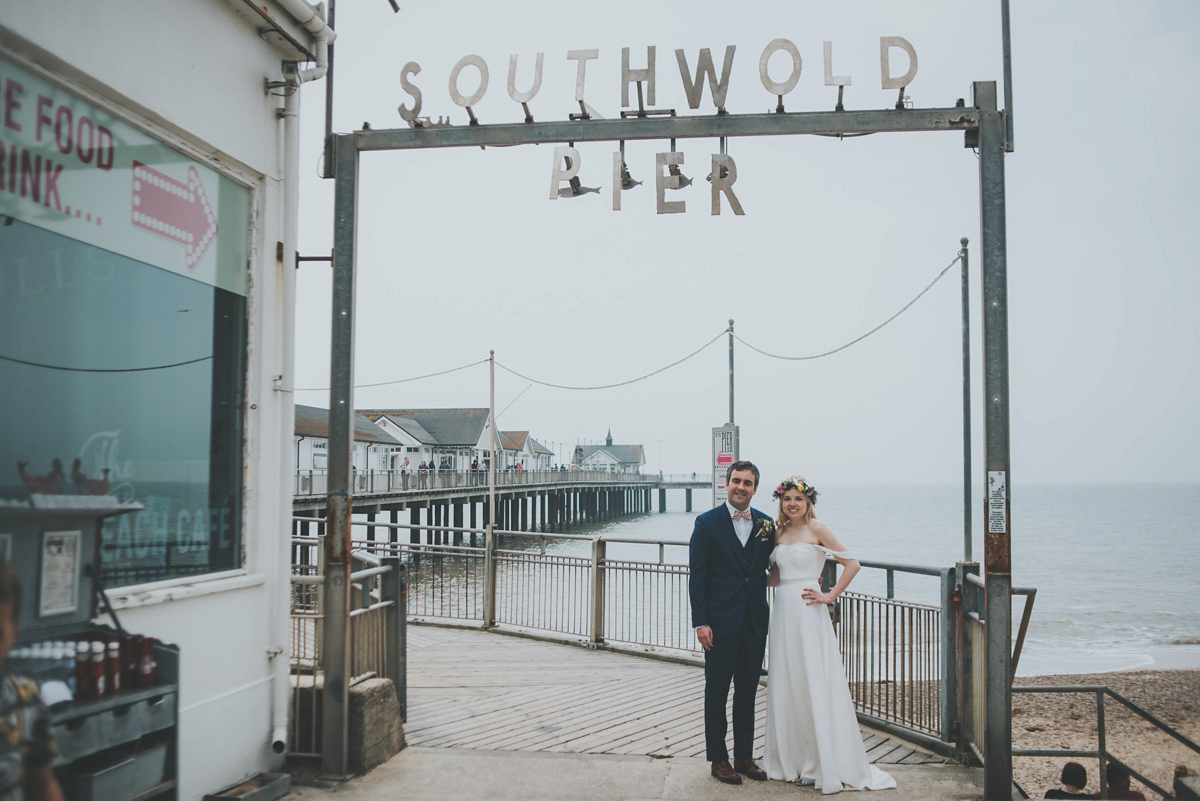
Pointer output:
x,y
546,501
586,724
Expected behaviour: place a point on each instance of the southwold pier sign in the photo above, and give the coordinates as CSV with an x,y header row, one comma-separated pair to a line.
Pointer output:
x,y
983,126
568,161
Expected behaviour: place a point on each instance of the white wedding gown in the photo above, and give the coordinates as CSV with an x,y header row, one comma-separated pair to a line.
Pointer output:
x,y
812,731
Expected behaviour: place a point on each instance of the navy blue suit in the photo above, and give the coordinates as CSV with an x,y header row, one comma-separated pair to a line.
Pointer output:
x,y
728,589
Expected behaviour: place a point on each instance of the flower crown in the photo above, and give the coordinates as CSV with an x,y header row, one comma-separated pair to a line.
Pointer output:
x,y
788,484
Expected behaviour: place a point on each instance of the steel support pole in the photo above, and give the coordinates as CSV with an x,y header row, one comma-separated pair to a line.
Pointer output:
x,y
392,589
731,372
598,589
489,539
968,512
950,602
997,746
336,657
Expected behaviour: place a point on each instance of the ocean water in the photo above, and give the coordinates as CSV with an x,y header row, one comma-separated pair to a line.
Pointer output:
x,y
1114,566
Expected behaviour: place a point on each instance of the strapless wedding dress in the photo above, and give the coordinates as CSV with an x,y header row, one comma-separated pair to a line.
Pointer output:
x,y
812,731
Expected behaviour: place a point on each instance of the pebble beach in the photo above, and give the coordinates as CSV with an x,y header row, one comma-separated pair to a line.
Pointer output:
x,y
1051,721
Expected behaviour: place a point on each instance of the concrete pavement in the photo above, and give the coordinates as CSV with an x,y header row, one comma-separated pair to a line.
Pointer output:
x,y
453,774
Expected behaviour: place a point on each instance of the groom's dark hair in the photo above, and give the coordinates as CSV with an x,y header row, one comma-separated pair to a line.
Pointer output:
x,y
742,465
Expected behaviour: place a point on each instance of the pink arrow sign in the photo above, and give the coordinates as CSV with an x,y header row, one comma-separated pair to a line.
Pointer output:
x,y
177,211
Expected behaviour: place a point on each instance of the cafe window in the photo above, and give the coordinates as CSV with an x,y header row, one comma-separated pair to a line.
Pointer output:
x,y
123,319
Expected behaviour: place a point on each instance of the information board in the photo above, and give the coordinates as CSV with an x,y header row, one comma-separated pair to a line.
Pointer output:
x,y
725,453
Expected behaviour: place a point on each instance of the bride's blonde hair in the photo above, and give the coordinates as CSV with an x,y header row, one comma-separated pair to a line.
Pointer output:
x,y
809,492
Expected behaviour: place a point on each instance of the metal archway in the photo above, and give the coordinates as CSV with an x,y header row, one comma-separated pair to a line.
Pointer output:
x,y
984,127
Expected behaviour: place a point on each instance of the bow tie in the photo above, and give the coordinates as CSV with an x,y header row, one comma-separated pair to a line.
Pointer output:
x,y
744,514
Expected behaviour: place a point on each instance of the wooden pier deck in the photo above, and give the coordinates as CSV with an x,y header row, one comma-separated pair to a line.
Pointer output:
x,y
481,690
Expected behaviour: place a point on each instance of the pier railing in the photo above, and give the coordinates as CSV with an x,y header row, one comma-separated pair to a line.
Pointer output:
x,y
904,660
376,626
316,482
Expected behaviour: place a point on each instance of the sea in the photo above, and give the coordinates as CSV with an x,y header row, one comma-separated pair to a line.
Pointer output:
x,y
1113,566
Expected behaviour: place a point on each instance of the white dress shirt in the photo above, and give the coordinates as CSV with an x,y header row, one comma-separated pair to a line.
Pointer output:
x,y
741,526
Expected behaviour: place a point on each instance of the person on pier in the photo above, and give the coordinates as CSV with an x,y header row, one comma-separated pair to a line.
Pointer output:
x,y
813,737
729,554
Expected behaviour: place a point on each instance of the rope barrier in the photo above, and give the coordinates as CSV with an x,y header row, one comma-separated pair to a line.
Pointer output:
x,y
696,352
864,336
621,383
399,380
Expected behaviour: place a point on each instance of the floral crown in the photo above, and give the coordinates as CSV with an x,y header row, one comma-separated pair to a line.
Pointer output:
x,y
788,484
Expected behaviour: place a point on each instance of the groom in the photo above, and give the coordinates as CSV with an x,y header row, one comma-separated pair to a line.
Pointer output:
x,y
729,554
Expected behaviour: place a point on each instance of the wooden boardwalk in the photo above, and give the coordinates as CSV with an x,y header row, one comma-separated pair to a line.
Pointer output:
x,y
482,690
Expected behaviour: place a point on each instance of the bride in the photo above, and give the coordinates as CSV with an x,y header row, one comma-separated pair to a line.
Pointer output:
x,y
812,735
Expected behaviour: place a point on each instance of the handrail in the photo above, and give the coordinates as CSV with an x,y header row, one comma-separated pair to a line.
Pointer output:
x,y
1101,752
358,575
1130,705
1026,615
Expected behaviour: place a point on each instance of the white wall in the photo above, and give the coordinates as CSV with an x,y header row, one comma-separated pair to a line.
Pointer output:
x,y
192,74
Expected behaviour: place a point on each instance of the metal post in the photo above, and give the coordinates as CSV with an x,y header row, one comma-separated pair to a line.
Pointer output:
x,y
966,364
1006,43
489,539
489,576
997,553
334,743
731,372
1102,743
951,602
968,602
392,589
599,547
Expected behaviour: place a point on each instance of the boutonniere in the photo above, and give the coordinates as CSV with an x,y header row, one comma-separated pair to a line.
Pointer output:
x,y
764,528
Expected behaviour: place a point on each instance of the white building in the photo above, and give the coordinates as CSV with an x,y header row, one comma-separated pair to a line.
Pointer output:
x,y
610,458
149,191
374,448
450,439
522,449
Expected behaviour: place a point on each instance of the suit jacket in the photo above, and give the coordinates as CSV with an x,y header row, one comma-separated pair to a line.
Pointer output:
x,y
728,582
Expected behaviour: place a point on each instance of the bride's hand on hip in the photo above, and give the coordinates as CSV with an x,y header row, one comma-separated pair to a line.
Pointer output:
x,y
815,596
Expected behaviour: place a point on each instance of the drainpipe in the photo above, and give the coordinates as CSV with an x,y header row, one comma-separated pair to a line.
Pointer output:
x,y
312,19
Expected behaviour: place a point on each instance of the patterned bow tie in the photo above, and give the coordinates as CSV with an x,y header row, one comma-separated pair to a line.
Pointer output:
x,y
744,514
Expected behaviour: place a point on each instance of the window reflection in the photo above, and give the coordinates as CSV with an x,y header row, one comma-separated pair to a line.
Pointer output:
x,y
125,380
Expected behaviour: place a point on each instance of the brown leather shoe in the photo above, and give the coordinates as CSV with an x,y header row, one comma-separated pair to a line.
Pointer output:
x,y
747,768
723,772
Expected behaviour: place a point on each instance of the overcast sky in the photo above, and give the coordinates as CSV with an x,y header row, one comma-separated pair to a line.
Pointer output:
x,y
461,251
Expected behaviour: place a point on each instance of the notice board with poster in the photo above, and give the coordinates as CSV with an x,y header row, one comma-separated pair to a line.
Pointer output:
x,y
724,453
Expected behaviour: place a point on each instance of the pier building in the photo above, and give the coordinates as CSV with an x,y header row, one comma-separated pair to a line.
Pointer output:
x,y
609,457
149,200
449,438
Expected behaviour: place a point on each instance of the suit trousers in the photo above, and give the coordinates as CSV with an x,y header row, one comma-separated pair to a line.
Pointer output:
x,y
735,658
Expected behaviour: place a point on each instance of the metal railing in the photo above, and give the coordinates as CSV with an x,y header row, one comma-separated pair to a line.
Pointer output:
x,y
900,656
893,656
1101,751
308,483
376,629
973,666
